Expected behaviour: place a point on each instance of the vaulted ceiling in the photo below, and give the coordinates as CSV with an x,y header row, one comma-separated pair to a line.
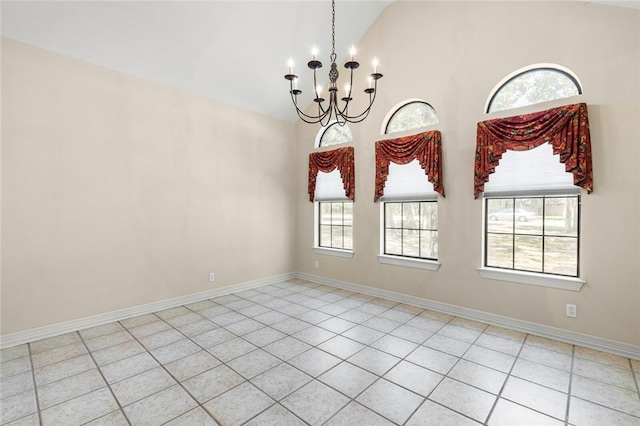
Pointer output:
x,y
231,51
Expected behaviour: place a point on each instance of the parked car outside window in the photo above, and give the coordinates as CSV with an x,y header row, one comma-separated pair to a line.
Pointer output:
x,y
509,214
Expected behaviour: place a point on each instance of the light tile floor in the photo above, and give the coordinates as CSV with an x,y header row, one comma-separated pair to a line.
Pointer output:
x,y
298,353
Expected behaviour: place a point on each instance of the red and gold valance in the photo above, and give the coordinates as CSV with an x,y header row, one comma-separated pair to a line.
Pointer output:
x,y
425,147
566,128
327,161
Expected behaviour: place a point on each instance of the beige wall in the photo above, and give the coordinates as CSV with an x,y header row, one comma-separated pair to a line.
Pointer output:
x,y
117,192
452,54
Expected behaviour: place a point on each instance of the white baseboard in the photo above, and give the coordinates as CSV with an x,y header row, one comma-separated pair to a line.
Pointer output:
x,y
572,337
39,333
593,342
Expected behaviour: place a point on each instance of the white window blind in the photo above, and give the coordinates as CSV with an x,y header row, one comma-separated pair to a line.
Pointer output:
x,y
408,182
536,171
329,187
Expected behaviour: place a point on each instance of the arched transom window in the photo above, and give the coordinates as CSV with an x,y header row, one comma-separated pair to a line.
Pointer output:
x,y
333,134
533,85
411,115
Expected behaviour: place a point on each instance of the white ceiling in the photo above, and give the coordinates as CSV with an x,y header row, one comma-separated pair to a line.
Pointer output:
x,y
232,51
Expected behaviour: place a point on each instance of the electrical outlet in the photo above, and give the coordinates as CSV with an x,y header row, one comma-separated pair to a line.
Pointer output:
x,y
212,277
572,310
317,264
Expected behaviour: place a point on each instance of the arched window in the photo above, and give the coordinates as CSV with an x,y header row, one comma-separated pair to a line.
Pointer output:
x,y
533,85
410,203
333,134
531,204
410,115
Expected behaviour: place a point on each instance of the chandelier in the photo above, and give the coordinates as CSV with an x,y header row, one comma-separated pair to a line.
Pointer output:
x,y
326,112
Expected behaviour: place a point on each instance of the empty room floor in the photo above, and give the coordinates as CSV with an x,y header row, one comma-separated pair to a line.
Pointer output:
x,y
297,353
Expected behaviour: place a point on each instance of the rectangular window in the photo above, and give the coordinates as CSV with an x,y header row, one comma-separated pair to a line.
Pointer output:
x,y
411,229
335,225
533,233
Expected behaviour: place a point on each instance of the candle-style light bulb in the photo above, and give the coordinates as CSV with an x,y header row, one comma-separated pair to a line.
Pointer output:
x,y
375,65
346,89
295,83
290,64
314,52
370,80
318,91
352,52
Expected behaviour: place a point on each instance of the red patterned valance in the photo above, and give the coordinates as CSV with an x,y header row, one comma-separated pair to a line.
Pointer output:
x,y
425,147
566,128
327,161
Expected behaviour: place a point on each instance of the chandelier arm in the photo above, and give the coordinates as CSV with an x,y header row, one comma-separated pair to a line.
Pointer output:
x,y
314,121
340,122
344,111
372,97
321,110
314,118
362,116
324,124
310,119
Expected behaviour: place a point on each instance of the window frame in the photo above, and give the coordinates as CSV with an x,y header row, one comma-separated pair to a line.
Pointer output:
x,y
542,233
542,279
429,264
330,250
402,228
526,70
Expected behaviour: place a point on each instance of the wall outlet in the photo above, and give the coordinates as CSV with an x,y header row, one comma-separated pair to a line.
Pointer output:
x,y
317,264
572,310
212,277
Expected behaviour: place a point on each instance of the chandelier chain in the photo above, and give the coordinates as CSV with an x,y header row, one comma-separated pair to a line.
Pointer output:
x,y
333,30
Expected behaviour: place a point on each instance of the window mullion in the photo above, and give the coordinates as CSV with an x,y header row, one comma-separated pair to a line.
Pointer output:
x,y
544,220
513,233
402,228
342,225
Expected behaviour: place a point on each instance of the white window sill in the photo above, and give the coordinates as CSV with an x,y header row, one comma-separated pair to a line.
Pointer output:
x,y
532,278
429,265
333,252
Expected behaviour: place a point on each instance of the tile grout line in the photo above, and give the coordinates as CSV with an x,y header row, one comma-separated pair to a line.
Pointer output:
x,y
379,377
225,362
350,399
178,382
282,361
120,407
418,345
444,376
35,384
568,409
378,315
285,361
504,385
636,376
452,378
